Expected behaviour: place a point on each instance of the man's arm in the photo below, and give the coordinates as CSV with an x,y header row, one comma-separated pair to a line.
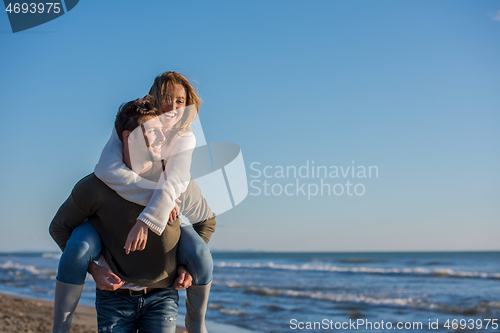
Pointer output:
x,y
194,206
104,278
71,214
184,279
67,218
205,228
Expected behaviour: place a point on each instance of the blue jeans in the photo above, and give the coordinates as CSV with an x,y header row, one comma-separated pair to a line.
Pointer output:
x,y
84,246
150,313
193,252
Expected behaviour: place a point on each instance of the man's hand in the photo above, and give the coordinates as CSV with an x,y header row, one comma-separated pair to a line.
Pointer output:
x,y
175,212
184,280
104,278
137,237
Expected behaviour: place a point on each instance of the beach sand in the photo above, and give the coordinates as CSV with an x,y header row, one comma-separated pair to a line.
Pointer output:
x,y
20,314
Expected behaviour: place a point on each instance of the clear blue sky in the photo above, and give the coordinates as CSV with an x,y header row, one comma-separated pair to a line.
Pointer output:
x,y
412,87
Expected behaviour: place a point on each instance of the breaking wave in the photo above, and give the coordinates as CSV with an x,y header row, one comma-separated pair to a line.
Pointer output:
x,y
418,271
482,307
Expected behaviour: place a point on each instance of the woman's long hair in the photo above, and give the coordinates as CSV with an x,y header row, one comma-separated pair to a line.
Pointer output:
x,y
159,89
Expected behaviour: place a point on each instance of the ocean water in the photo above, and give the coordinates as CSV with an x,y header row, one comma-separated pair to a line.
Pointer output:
x,y
316,292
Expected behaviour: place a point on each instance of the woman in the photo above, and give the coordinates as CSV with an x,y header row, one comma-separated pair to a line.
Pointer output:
x,y
179,105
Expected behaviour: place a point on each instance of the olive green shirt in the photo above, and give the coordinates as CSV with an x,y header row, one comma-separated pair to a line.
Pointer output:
x,y
113,217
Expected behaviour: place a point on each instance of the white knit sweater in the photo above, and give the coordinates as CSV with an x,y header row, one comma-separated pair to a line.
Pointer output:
x,y
159,198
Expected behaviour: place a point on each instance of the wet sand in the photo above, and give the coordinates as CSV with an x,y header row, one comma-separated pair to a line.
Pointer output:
x,y
20,314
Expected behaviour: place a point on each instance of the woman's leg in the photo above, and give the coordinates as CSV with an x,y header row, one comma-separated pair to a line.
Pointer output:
x,y
193,252
83,246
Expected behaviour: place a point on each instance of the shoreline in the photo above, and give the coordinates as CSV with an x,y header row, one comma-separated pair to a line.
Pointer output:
x,y
25,314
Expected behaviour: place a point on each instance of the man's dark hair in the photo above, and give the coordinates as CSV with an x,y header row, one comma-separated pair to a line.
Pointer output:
x,y
130,114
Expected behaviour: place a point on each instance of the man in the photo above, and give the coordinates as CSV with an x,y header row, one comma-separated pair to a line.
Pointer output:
x,y
146,298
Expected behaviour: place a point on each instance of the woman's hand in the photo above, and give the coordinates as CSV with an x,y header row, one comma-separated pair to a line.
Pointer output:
x,y
104,278
175,212
137,237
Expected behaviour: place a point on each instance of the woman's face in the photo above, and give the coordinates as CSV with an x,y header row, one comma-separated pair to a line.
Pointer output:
x,y
174,106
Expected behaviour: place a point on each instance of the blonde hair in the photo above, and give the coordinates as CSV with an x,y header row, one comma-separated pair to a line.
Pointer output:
x,y
159,90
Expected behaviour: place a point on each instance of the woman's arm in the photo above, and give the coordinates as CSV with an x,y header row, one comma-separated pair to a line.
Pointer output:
x,y
173,182
159,199
113,172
